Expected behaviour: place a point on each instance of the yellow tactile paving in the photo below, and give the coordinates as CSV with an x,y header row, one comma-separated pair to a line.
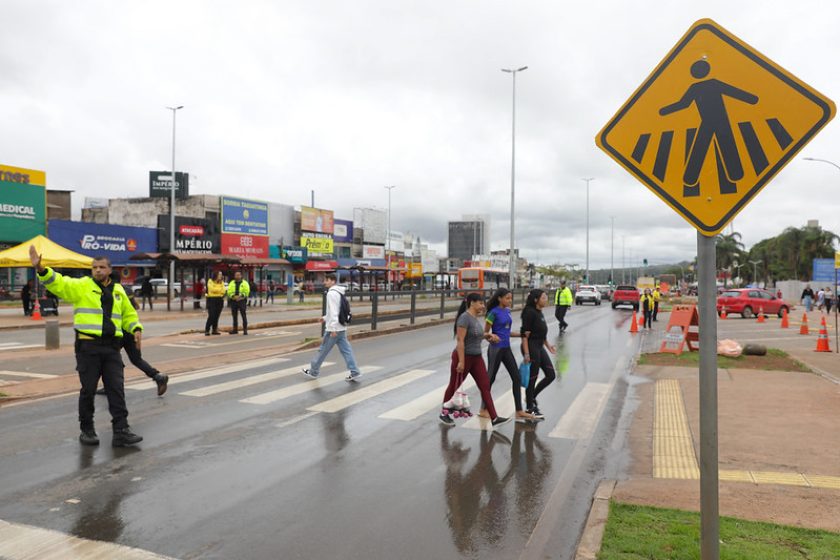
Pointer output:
x,y
673,450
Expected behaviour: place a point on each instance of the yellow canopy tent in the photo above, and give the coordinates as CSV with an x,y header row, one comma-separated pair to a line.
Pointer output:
x,y
52,255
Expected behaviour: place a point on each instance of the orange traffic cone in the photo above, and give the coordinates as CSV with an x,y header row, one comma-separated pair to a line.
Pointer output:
x,y
723,312
804,328
760,315
822,339
36,312
634,324
785,322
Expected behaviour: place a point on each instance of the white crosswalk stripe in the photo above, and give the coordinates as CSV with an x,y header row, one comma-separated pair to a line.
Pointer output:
x,y
189,344
212,372
424,404
245,381
27,374
578,422
17,346
504,407
311,385
370,391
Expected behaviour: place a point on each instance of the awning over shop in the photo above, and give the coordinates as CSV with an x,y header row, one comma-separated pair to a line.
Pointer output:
x,y
256,261
188,258
52,255
321,265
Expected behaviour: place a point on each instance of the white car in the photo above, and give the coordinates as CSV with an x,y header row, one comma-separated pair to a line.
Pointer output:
x,y
587,294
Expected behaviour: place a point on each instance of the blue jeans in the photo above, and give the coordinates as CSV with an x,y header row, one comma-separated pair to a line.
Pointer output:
x,y
808,302
327,345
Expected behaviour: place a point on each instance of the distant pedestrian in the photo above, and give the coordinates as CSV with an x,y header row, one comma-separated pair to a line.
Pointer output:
x,y
198,292
647,304
254,294
498,321
215,303
779,293
237,292
829,300
335,333
272,288
807,297
146,293
466,358
656,297
102,313
26,298
562,303
535,348
820,299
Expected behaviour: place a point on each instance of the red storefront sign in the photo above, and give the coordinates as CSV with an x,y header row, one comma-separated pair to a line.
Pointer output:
x,y
321,265
244,245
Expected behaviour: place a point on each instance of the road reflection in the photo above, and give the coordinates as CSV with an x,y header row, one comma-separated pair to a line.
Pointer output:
x,y
478,492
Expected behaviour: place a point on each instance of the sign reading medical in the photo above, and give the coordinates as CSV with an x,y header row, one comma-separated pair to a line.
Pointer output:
x,y
315,219
22,211
160,184
713,123
118,243
244,216
23,176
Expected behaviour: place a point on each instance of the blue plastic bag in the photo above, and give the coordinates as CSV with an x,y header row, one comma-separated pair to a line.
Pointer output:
x,y
524,373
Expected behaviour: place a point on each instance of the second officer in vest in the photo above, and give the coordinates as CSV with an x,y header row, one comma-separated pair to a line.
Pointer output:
x,y
237,292
101,312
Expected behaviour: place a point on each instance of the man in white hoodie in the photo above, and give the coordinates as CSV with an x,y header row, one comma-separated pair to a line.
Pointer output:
x,y
334,333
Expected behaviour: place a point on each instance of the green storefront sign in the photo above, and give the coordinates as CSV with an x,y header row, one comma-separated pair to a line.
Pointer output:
x,y
22,211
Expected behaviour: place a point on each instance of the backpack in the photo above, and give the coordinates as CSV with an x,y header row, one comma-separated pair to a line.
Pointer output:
x,y
345,316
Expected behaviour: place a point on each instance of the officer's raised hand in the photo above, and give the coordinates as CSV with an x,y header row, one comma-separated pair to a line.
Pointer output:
x,y
35,258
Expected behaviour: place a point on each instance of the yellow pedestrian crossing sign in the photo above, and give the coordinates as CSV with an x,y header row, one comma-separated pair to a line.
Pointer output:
x,y
713,123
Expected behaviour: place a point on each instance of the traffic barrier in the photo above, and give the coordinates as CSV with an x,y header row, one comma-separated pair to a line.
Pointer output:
x,y
760,315
634,324
822,339
804,328
36,311
785,321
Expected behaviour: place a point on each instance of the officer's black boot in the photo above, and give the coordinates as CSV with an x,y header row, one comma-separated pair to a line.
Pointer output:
x,y
161,380
125,438
89,437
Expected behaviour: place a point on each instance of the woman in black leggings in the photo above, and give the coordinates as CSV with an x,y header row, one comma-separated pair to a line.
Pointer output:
x,y
535,348
498,321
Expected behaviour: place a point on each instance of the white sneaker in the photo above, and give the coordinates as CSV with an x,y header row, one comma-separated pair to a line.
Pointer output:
x,y
353,377
309,374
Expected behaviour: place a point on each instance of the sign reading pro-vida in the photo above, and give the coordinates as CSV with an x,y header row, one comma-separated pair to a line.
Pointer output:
x,y
713,123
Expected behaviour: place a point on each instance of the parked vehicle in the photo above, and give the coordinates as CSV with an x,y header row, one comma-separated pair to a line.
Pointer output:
x,y
587,294
626,295
159,287
749,301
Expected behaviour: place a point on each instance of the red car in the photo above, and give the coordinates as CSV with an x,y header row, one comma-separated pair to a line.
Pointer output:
x,y
749,301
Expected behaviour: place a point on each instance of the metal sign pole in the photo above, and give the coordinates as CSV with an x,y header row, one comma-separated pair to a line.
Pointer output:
x,y
707,292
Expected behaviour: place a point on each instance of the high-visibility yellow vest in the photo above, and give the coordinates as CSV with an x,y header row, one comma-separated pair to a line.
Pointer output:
x,y
215,289
244,288
86,296
656,295
563,296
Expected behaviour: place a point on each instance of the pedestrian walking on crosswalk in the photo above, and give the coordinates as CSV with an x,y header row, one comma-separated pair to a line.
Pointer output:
x,y
467,358
335,332
535,348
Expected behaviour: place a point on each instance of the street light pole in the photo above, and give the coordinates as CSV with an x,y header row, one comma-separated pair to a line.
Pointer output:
x,y
512,265
755,271
171,283
388,254
612,250
587,179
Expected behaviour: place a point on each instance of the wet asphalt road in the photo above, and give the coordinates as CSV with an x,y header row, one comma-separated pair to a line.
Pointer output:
x,y
288,468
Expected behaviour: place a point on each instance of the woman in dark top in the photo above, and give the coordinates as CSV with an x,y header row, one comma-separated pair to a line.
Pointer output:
x,y
466,358
498,321
535,348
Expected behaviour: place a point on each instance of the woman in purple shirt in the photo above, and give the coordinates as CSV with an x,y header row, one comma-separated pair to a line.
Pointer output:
x,y
498,321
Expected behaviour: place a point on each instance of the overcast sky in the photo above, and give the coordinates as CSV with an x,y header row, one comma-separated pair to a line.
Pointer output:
x,y
343,97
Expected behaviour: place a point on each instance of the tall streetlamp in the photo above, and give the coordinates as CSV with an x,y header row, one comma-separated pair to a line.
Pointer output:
x,y
171,284
388,254
612,250
755,271
512,265
738,270
587,179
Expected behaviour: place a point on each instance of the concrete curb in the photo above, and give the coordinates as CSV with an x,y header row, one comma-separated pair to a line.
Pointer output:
x,y
593,533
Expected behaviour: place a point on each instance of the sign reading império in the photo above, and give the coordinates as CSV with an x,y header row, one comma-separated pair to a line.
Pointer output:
x,y
160,184
244,245
712,125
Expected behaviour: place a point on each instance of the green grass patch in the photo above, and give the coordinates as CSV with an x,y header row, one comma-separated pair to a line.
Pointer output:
x,y
777,360
641,532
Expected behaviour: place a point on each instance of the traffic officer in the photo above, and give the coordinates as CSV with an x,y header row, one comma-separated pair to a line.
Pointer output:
x,y
237,292
656,297
101,312
562,303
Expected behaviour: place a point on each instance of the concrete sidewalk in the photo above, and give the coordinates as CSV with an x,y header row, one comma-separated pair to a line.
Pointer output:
x,y
778,436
